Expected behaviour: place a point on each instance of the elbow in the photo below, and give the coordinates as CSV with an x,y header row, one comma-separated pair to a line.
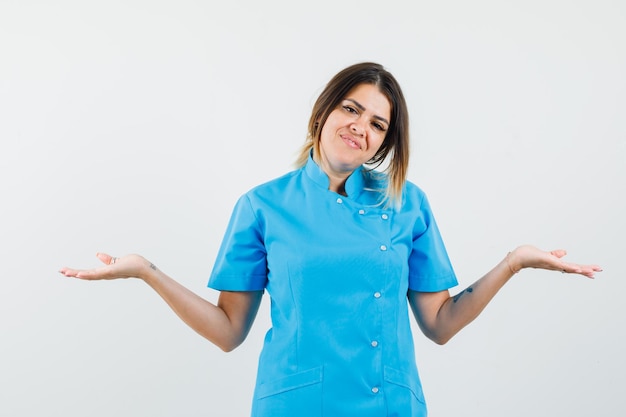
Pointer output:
x,y
227,348
229,344
441,340
439,333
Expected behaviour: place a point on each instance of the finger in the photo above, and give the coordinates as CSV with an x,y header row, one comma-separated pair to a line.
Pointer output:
x,y
559,253
105,258
97,273
586,270
571,268
76,273
68,272
590,270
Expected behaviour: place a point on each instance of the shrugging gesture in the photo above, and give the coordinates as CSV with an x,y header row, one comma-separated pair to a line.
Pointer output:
x,y
343,244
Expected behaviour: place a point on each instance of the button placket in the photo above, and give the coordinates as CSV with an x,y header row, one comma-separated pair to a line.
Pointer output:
x,y
378,224
384,217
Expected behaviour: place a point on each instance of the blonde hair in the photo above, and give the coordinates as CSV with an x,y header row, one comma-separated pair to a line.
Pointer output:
x,y
395,147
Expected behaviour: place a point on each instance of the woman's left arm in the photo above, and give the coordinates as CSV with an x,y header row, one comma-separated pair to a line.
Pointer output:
x,y
441,316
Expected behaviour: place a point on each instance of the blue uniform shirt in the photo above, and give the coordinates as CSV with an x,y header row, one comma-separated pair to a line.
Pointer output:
x,y
337,269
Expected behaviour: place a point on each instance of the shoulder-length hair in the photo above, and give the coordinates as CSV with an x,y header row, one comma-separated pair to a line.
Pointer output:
x,y
395,147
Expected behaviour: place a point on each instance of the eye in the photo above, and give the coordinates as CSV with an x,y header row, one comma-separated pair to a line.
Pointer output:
x,y
379,126
350,109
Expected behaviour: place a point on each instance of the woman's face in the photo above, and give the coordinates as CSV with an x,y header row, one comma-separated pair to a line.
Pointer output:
x,y
354,131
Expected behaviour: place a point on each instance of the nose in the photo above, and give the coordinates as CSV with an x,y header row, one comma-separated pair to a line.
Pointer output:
x,y
357,129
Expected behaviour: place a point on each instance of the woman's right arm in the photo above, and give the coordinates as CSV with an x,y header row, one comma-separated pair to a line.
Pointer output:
x,y
226,324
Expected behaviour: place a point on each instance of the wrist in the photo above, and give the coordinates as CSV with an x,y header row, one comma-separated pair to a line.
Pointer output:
x,y
149,271
512,262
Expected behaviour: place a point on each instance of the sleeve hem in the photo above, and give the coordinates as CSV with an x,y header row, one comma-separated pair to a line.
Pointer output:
x,y
237,282
432,284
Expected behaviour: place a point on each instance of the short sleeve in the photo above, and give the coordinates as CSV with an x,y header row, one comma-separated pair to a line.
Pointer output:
x,y
241,263
430,269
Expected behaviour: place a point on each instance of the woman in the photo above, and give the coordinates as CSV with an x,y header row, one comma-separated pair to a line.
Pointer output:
x,y
343,250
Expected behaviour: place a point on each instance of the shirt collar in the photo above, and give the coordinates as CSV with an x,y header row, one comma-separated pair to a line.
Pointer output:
x,y
354,184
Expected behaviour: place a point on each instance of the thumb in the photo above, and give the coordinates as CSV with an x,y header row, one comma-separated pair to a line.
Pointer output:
x,y
559,253
104,258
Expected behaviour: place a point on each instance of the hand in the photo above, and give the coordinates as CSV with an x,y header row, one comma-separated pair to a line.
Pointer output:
x,y
527,256
125,267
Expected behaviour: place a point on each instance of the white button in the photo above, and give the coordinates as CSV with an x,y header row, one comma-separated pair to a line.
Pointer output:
x,y
375,390
374,343
384,216
376,294
383,248
361,211
339,200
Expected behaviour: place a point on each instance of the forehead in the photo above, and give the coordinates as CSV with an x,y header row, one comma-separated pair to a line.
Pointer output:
x,y
371,99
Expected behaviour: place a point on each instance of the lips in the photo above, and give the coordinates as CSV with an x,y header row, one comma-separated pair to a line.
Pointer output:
x,y
351,142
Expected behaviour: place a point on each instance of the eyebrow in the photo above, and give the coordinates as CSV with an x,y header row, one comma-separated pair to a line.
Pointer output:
x,y
360,106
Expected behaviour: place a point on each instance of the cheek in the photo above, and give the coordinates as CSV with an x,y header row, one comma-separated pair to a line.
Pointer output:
x,y
328,130
377,143
323,134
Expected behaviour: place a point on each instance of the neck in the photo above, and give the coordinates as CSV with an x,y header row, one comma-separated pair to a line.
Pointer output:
x,y
337,184
336,180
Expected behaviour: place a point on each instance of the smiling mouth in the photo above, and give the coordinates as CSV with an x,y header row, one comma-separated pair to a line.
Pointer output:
x,y
351,143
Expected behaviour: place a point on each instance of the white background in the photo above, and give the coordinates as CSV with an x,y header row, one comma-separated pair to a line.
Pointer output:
x,y
133,126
